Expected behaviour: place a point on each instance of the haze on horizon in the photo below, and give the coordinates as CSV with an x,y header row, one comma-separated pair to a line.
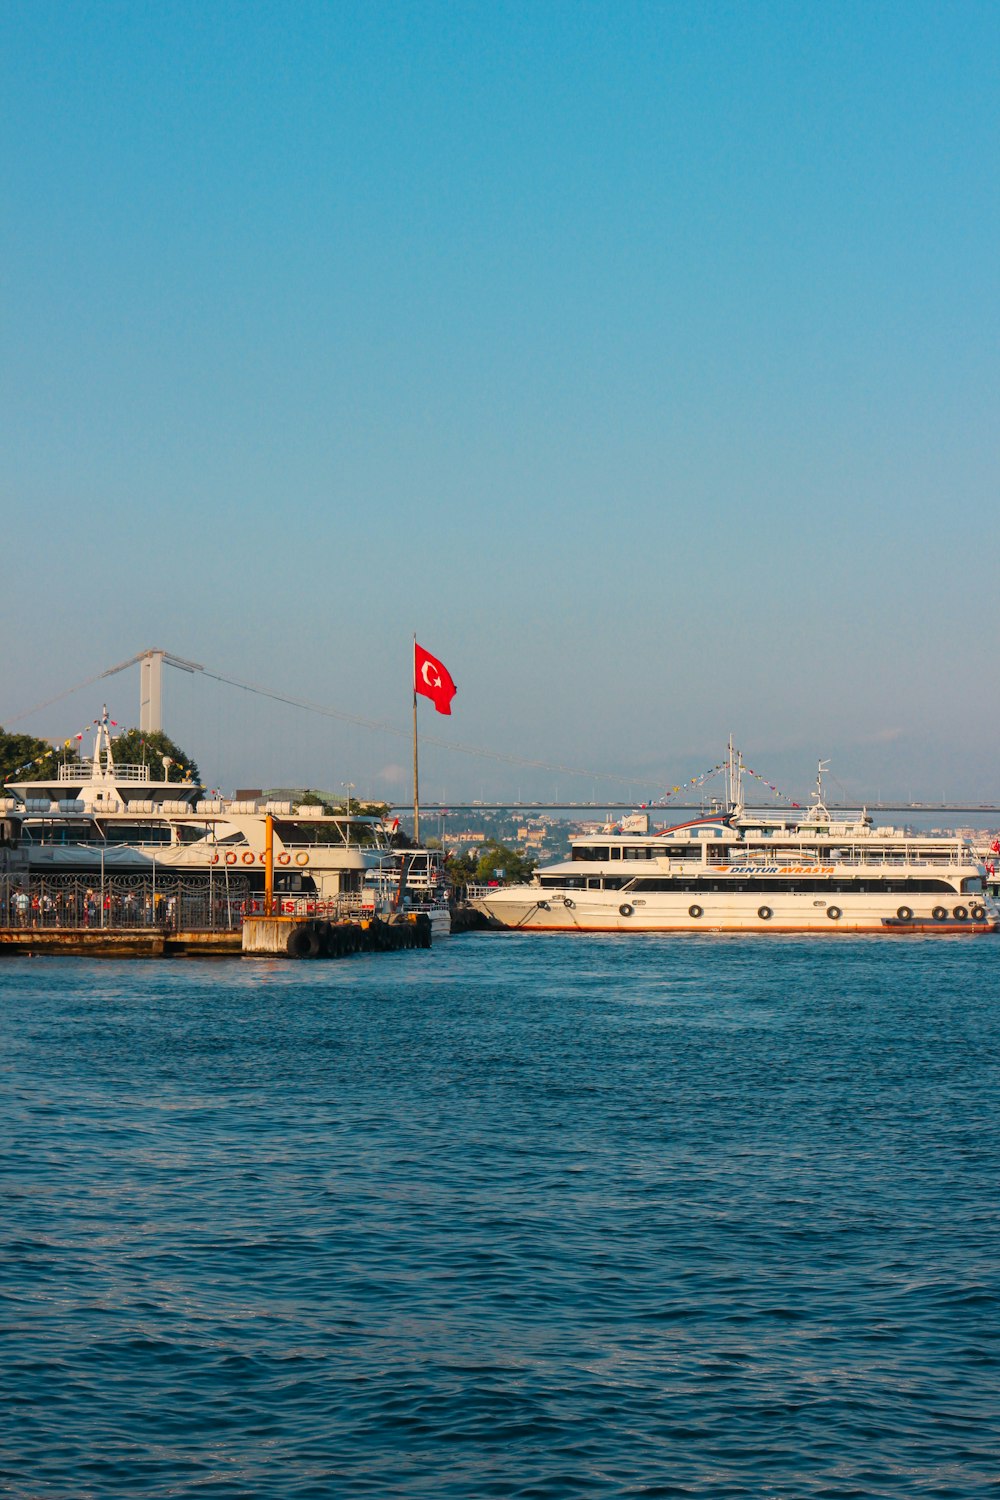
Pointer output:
x,y
642,360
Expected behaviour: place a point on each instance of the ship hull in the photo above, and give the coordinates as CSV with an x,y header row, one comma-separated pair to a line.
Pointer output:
x,y
757,913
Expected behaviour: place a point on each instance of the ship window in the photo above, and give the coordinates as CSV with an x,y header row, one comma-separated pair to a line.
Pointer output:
x,y
590,851
972,886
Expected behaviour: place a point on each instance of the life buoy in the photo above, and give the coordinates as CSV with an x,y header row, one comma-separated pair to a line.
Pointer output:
x,y
904,913
543,906
625,909
960,913
284,858
834,913
765,913
939,913
977,913
248,857
231,857
302,857
568,902
695,911
215,859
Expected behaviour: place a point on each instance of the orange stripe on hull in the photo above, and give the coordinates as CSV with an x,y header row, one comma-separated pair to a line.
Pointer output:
x,y
935,929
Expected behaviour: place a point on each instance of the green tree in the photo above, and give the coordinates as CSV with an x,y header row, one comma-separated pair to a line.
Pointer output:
x,y
460,869
516,868
20,755
148,746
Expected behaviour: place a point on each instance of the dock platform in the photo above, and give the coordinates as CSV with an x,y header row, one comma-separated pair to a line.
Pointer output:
x,y
283,937
117,942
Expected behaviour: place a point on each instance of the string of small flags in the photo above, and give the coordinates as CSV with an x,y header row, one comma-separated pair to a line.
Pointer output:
x,y
757,777
699,781
696,781
47,755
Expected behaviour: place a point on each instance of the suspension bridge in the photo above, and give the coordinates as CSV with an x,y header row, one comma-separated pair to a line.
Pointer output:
x,y
152,661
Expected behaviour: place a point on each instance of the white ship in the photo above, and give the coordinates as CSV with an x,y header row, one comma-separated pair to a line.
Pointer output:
x,y
94,816
751,870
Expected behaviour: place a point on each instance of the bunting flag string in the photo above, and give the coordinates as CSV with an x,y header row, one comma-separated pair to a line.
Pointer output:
x,y
699,781
757,777
44,759
696,781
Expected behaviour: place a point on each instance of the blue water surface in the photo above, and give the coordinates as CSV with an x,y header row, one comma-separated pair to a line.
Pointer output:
x,y
519,1216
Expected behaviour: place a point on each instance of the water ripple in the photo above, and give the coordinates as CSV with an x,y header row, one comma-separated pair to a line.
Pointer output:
x,y
515,1217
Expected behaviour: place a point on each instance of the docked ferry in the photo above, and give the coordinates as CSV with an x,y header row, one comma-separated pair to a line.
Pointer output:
x,y
94,815
755,870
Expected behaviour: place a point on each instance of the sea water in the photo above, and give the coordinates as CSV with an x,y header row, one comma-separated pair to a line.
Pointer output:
x,y
523,1215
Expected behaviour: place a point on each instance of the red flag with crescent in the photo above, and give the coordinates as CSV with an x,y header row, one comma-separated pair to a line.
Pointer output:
x,y
432,678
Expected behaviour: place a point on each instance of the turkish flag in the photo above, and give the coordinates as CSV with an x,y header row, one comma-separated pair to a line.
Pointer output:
x,y
432,678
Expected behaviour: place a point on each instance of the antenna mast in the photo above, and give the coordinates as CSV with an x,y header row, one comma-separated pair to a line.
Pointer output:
x,y
734,778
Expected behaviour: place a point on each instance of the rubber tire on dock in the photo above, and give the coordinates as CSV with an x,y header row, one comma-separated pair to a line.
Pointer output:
x,y
302,943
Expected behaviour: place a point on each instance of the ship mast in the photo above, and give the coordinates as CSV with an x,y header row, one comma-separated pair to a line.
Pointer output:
x,y
734,779
104,764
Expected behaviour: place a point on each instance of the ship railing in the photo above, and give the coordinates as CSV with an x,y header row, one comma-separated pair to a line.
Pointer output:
x,y
75,770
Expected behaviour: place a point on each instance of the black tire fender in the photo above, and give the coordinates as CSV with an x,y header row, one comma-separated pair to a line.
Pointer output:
x,y
834,913
904,913
625,910
297,945
695,911
765,913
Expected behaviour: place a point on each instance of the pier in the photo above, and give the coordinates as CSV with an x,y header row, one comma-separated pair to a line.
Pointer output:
x,y
116,942
261,937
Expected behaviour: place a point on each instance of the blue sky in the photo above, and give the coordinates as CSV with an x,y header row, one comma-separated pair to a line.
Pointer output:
x,y
643,359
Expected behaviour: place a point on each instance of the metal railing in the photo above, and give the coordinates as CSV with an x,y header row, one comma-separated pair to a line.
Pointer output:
x,y
84,770
72,902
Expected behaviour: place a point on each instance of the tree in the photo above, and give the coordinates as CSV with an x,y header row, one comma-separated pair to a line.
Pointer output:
x,y
20,755
459,869
516,868
148,746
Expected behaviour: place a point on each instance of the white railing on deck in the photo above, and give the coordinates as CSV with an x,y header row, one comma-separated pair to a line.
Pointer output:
x,y
83,770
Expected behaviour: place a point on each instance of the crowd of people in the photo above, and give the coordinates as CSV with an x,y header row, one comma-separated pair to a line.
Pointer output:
x,y
85,907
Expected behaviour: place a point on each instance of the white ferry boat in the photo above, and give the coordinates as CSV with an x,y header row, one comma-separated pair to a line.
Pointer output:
x,y
94,816
755,870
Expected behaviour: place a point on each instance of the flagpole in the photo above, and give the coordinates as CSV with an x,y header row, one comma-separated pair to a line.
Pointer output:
x,y
416,778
